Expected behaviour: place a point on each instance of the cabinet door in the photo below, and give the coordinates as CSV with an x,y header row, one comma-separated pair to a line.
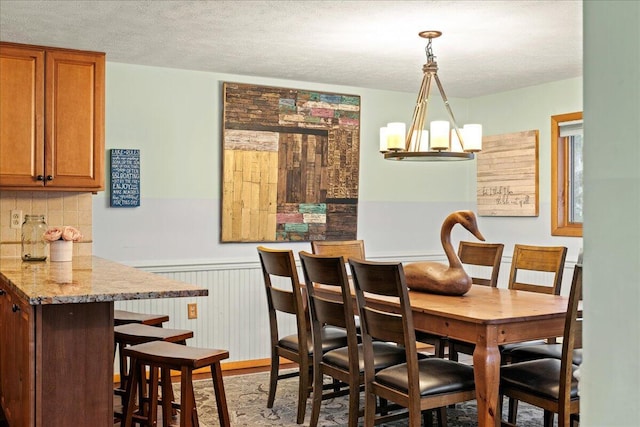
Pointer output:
x,y
21,116
74,122
18,362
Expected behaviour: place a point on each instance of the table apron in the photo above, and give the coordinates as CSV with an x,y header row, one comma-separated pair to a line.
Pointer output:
x,y
474,332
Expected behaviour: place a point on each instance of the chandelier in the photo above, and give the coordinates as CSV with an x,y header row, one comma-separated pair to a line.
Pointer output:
x,y
447,142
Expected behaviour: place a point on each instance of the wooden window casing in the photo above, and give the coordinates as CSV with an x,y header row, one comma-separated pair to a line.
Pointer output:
x,y
560,152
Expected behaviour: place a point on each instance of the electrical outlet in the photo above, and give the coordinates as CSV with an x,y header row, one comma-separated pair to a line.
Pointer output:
x,y
16,219
192,311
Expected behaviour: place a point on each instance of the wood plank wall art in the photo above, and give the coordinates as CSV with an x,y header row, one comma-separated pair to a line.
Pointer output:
x,y
508,175
290,164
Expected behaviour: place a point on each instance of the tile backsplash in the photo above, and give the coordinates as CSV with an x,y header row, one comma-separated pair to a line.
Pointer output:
x,y
58,208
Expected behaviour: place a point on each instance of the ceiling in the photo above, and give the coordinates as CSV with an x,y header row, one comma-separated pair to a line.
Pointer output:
x,y
486,47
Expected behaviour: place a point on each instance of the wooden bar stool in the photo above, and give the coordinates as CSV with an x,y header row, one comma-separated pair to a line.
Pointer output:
x,y
166,356
137,333
123,317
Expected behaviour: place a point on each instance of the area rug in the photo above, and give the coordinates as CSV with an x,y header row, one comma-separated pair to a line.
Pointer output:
x,y
247,401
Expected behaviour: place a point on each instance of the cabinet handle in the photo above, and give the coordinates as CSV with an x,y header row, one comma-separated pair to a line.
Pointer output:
x,y
2,292
15,308
40,178
49,178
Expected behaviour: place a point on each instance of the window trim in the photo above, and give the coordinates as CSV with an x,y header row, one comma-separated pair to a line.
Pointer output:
x,y
560,225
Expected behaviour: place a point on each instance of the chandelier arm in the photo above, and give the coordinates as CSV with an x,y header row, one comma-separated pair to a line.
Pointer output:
x,y
449,111
420,110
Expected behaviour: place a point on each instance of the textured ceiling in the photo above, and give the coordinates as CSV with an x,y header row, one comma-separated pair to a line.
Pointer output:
x,y
487,46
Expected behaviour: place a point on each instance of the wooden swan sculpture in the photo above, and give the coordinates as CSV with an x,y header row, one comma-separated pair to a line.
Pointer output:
x,y
436,277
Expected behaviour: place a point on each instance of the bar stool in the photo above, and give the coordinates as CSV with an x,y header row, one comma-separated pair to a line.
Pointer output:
x,y
166,356
137,333
123,317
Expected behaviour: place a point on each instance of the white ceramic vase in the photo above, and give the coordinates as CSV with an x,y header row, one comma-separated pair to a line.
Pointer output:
x,y
61,250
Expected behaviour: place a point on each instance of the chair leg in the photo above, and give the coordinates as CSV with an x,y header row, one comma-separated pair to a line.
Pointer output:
x,y
442,416
303,393
548,418
221,398
513,410
273,377
354,403
317,397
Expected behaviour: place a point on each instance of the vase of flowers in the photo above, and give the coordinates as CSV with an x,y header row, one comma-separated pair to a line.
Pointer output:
x,y
61,242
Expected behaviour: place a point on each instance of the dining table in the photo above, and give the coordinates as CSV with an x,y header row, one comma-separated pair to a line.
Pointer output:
x,y
487,317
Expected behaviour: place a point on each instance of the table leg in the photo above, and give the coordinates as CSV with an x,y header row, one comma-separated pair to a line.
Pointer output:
x,y
486,366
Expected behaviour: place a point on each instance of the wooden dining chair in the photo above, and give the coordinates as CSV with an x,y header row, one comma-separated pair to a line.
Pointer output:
x,y
482,254
284,296
345,364
488,256
417,385
550,383
544,259
548,262
344,248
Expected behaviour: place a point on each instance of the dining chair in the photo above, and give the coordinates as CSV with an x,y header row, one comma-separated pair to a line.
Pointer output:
x,y
285,296
550,383
346,364
548,262
487,256
549,259
419,384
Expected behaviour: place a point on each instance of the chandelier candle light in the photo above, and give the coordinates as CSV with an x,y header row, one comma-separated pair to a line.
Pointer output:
x,y
448,142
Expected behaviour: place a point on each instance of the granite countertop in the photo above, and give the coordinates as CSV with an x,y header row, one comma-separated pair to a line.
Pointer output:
x,y
88,279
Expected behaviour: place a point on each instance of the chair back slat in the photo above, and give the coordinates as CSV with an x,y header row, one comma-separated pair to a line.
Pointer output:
x,y
549,259
283,300
344,248
485,255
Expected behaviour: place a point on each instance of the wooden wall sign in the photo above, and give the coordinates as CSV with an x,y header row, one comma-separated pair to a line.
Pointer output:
x,y
290,164
508,175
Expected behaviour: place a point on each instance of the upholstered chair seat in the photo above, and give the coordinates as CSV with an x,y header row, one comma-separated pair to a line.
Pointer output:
x,y
543,351
537,377
436,376
384,355
332,338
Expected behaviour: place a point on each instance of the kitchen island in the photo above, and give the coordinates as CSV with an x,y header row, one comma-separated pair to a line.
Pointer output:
x,y
56,336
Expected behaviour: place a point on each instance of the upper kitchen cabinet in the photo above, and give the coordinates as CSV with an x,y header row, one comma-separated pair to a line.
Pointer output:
x,y
51,118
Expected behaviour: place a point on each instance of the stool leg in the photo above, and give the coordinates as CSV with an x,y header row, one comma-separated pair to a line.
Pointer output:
x,y
167,397
153,396
221,399
186,398
130,395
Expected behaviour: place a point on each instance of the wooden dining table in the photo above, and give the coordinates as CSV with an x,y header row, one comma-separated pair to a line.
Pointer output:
x,y
486,317
489,317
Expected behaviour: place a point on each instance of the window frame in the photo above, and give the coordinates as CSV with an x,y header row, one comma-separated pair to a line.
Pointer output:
x,y
560,224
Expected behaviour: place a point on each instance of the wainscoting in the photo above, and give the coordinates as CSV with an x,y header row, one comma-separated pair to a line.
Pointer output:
x,y
234,315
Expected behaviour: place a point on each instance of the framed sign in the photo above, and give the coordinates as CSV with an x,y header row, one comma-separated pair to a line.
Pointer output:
x,y
508,175
125,178
290,164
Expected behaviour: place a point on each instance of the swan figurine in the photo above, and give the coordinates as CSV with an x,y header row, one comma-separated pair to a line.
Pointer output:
x,y
436,277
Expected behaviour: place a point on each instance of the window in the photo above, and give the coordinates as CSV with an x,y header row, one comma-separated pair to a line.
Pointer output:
x,y
566,175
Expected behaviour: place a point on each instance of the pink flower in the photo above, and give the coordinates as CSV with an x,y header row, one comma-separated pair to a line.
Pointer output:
x,y
70,233
53,234
62,233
